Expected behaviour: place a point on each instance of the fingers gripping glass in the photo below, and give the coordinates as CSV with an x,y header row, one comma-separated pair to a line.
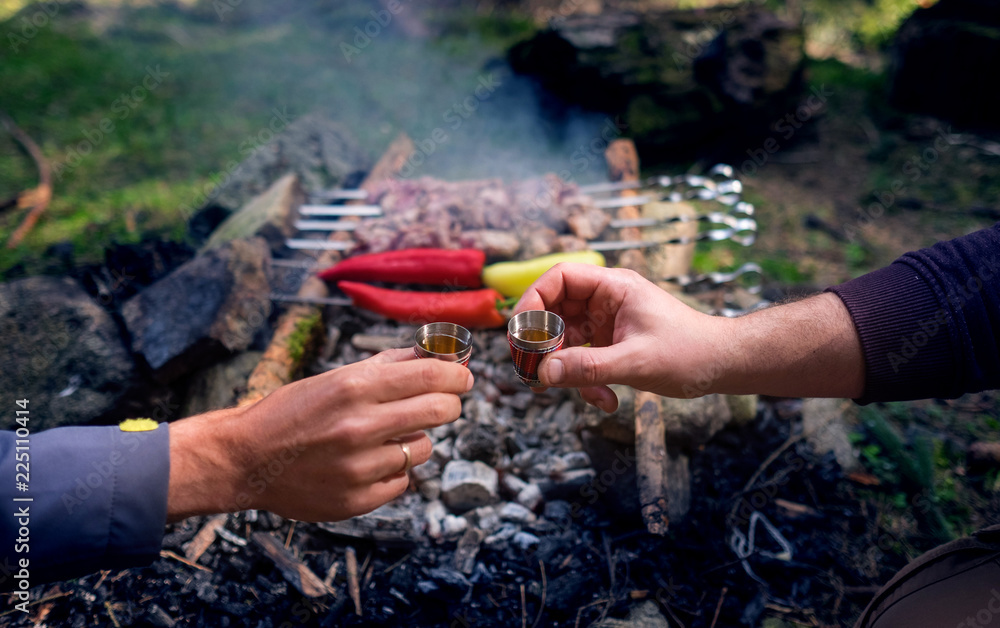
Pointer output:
x,y
443,341
532,335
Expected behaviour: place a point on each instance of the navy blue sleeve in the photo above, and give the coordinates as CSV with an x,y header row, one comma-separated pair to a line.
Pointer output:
x,y
98,501
929,323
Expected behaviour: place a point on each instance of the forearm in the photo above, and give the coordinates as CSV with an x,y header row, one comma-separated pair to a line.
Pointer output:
x,y
204,473
808,348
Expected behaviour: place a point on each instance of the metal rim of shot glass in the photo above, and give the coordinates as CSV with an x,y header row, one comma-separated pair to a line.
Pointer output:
x,y
463,335
536,319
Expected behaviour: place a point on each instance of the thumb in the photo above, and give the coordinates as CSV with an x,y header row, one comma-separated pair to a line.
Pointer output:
x,y
578,367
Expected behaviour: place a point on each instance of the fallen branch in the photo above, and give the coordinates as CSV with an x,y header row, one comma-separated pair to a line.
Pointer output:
x,y
353,586
295,571
38,197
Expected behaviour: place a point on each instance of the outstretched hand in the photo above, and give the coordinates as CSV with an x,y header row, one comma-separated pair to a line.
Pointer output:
x,y
638,335
320,449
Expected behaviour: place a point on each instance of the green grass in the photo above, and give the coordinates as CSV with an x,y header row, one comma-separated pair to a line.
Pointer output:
x,y
224,78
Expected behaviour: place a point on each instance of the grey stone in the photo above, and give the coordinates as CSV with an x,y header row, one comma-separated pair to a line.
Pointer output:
x,y
743,407
618,426
453,526
218,386
513,484
321,152
434,514
269,215
530,497
422,473
576,460
211,306
643,615
431,489
466,485
693,422
516,513
826,430
61,351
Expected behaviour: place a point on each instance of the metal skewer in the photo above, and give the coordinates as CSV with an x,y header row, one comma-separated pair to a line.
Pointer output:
x,y
340,210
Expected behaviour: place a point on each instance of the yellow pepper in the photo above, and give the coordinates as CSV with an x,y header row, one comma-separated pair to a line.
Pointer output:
x,y
511,279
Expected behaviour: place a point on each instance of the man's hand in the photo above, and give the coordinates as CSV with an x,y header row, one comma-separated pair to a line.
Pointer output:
x,y
641,336
321,449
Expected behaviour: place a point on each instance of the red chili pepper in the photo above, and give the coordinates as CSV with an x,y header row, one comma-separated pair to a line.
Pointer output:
x,y
468,308
435,267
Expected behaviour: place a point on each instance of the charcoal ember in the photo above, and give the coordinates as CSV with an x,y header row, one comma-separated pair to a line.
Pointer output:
x,y
576,460
481,574
443,451
158,618
559,511
501,536
525,541
466,485
563,591
568,484
478,442
519,401
496,244
447,578
479,410
467,549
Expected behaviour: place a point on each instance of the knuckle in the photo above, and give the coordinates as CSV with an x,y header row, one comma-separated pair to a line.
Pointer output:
x,y
351,385
590,367
351,433
445,407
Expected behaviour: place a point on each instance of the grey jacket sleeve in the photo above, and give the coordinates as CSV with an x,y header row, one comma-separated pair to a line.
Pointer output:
x,y
98,501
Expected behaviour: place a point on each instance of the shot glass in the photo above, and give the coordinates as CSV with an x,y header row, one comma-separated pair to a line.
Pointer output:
x,y
532,335
443,341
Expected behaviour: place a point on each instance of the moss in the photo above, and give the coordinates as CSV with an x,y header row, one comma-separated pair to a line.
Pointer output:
x,y
301,339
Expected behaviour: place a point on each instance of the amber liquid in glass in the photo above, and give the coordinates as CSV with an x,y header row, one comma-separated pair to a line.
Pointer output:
x,y
534,335
441,344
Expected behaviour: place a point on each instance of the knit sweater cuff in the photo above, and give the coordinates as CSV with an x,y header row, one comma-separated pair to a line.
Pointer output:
x,y
905,334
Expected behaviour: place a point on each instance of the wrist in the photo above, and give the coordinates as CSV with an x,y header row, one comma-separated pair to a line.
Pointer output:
x,y
205,466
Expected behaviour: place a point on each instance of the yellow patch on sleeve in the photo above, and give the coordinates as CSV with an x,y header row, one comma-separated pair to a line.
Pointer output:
x,y
137,425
